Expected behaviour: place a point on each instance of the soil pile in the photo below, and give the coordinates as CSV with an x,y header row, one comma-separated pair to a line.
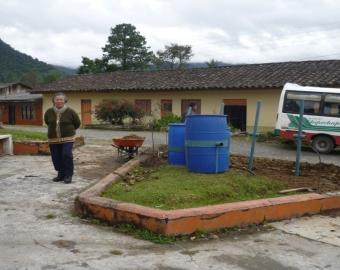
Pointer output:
x,y
319,177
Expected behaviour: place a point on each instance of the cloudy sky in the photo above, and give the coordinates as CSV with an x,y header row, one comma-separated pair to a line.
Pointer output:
x,y
233,31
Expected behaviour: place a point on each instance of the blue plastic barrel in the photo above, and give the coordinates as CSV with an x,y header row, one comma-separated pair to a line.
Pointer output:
x,y
176,149
207,143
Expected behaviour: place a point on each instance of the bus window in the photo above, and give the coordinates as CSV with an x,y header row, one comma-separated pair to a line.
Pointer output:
x,y
311,102
332,105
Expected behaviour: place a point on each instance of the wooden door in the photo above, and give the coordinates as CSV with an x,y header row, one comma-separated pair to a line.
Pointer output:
x,y
86,112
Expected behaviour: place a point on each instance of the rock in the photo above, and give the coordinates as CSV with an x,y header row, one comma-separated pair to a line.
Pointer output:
x,y
214,236
131,181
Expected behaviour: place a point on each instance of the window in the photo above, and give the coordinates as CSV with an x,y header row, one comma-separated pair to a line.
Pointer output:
x,y
195,104
27,111
166,107
332,105
144,105
312,102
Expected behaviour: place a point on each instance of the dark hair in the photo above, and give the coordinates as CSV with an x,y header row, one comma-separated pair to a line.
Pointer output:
x,y
59,94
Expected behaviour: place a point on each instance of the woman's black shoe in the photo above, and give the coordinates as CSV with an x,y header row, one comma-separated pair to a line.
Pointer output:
x,y
68,179
58,179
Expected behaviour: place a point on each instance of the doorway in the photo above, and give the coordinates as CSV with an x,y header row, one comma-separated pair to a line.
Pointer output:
x,y
86,118
236,111
11,114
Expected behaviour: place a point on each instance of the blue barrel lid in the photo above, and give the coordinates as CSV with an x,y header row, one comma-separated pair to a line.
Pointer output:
x,y
206,115
176,124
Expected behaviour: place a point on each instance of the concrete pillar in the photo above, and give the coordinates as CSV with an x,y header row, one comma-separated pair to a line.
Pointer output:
x,y
7,143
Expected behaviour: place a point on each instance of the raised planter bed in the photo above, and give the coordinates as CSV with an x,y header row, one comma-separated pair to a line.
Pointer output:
x,y
186,221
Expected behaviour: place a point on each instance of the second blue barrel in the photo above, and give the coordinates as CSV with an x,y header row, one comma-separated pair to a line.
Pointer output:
x,y
207,143
176,155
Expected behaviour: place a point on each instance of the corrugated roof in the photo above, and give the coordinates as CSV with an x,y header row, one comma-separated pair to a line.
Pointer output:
x,y
21,97
267,75
5,85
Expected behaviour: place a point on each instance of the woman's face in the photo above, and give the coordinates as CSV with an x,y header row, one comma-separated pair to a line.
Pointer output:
x,y
59,101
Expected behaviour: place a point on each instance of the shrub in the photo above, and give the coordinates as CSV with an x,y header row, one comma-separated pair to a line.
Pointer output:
x,y
231,127
114,111
166,120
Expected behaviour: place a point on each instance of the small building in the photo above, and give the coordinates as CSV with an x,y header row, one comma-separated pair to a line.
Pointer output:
x,y
158,92
18,106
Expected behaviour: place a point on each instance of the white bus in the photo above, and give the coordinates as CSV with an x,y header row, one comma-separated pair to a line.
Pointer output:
x,y
321,119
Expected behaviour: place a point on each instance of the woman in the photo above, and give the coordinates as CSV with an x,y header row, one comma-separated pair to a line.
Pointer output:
x,y
62,123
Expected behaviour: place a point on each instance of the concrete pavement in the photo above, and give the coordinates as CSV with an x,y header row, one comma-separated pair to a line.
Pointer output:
x,y
39,231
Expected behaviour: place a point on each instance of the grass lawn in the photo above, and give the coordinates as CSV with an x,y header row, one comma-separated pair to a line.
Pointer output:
x,y
173,187
20,135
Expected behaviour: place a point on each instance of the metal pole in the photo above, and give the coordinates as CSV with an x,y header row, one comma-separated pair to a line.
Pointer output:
x,y
222,109
299,138
251,157
152,138
189,111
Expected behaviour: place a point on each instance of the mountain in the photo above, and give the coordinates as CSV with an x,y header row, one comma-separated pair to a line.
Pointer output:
x,y
66,70
19,67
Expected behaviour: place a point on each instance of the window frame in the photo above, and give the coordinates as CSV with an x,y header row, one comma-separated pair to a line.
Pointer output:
x,y
146,107
284,110
324,106
165,102
185,103
28,111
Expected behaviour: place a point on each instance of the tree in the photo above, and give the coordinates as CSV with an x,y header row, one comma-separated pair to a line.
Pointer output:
x,y
11,77
91,66
114,111
31,78
125,50
51,76
213,63
173,56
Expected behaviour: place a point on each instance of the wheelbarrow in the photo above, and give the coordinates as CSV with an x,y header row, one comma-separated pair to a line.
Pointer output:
x,y
128,146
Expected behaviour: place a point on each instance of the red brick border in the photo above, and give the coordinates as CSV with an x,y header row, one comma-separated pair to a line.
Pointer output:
x,y
1,148
208,218
38,147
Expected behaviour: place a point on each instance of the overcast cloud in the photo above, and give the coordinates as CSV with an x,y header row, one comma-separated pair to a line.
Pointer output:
x,y
243,31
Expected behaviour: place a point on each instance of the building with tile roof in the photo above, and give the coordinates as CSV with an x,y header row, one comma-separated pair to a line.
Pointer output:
x,y
158,92
18,106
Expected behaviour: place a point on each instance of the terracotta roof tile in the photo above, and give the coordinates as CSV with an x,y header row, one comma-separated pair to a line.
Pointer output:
x,y
268,75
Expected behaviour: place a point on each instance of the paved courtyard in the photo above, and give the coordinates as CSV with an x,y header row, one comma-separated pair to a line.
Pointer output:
x,y
38,229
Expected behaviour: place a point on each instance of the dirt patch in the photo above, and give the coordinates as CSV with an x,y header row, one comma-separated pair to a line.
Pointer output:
x,y
96,161
320,177
64,244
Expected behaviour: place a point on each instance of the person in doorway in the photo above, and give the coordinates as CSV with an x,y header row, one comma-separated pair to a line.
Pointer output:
x,y
62,123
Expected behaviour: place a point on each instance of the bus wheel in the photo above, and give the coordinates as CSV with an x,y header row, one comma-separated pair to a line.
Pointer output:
x,y
322,144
